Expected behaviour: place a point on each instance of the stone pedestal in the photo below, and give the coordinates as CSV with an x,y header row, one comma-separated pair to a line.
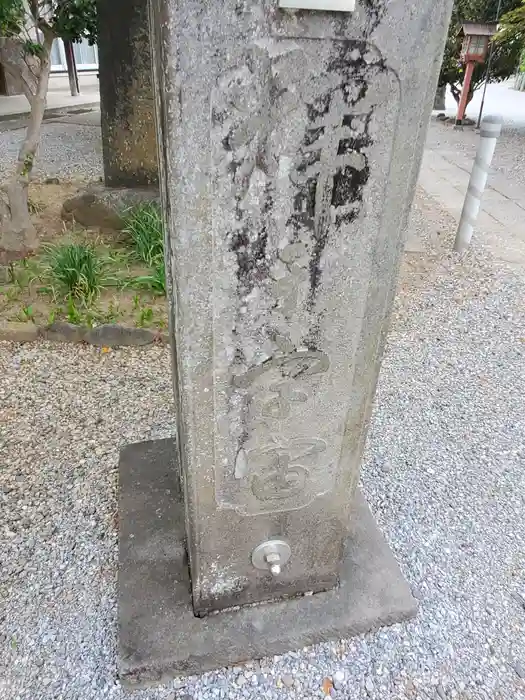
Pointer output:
x,y
160,637
126,94
291,145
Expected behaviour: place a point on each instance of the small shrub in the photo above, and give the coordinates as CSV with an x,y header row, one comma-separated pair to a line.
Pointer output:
x,y
143,225
75,268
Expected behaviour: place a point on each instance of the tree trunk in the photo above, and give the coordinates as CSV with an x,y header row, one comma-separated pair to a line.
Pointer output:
x,y
18,236
17,233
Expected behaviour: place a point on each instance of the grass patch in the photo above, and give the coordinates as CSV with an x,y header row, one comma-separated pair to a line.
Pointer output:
x,y
85,283
143,225
75,269
145,232
89,277
155,282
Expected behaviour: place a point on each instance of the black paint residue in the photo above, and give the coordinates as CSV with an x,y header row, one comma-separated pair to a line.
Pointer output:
x,y
304,203
252,265
375,9
348,181
346,218
319,107
309,159
313,135
333,184
320,237
249,241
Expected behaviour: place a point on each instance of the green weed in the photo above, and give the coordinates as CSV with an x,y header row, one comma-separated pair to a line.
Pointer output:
x,y
75,268
13,293
145,317
27,313
21,272
112,312
73,314
143,225
156,281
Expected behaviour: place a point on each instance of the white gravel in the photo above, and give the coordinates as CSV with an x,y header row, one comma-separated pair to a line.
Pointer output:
x,y
68,151
444,474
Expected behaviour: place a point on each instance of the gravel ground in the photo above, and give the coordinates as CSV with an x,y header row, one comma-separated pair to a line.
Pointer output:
x,y
68,151
443,473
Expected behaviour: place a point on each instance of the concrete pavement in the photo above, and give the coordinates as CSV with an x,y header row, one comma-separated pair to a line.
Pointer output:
x,y
501,222
447,164
59,98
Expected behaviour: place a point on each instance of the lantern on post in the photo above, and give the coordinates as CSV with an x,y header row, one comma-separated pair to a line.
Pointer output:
x,y
476,38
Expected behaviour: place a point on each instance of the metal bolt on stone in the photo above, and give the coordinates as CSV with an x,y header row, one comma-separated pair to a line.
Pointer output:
x,y
290,143
489,134
271,555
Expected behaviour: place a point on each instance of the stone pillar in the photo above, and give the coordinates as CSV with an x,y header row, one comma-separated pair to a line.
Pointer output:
x,y
291,143
126,94
439,99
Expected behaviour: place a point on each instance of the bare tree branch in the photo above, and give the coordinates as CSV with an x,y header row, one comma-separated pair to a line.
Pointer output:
x,y
33,8
26,87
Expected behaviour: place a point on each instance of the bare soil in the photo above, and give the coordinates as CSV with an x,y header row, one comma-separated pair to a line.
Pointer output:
x,y
24,296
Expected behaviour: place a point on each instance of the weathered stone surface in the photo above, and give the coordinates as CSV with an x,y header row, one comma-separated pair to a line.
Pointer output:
x,y
104,206
126,94
18,332
62,332
159,636
108,335
292,142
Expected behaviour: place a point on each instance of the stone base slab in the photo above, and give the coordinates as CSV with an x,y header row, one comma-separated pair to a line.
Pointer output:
x,y
110,335
159,637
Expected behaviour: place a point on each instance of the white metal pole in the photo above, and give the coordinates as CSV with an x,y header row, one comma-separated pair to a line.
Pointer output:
x,y
490,131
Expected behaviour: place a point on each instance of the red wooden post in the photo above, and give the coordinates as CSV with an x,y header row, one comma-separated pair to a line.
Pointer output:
x,y
464,92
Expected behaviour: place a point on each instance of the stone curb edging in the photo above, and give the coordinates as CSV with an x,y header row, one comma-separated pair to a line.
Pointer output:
x,y
106,335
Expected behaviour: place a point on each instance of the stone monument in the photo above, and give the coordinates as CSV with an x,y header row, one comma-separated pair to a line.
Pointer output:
x,y
129,140
291,137
126,94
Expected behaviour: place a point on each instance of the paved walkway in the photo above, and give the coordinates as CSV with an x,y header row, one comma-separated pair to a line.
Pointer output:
x,y
444,175
58,99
